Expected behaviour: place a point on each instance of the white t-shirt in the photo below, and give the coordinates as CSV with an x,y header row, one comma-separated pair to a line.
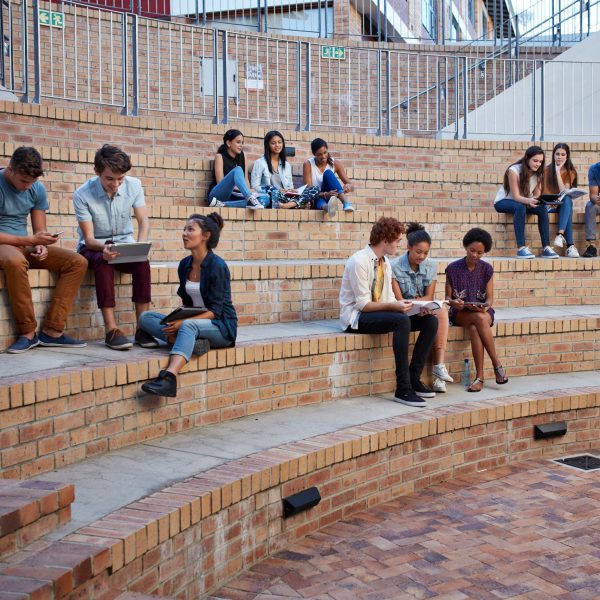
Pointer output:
x,y
503,194
193,290
317,175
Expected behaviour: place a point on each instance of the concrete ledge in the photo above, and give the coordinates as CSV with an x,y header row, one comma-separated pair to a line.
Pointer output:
x,y
190,538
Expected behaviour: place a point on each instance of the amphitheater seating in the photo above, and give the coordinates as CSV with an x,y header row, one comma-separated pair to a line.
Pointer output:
x,y
286,267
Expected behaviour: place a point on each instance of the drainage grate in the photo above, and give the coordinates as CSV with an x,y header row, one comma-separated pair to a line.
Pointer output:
x,y
585,462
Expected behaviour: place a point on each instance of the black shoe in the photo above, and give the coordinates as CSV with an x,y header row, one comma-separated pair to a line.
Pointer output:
x,y
590,252
201,347
409,398
420,389
145,340
164,385
116,340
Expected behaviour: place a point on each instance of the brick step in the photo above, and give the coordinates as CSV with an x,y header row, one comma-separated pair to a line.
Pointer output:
x,y
279,291
303,235
68,405
191,537
30,510
118,595
172,157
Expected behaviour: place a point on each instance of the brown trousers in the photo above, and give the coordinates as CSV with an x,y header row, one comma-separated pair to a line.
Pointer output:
x,y
16,262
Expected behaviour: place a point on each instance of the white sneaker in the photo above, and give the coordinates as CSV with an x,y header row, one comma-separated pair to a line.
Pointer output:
x,y
331,207
440,372
572,252
559,241
253,203
439,385
214,203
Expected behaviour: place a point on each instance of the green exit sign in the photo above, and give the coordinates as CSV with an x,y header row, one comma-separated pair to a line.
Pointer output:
x,y
333,52
51,18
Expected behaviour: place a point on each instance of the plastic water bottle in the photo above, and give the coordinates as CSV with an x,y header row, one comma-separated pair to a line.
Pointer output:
x,y
466,376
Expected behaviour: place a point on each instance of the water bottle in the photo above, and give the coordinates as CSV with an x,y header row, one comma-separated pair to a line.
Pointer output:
x,y
466,376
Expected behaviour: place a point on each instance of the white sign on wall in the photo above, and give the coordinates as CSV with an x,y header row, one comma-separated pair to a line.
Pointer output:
x,y
254,76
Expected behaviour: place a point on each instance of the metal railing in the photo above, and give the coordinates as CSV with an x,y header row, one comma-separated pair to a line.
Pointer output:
x,y
13,32
144,65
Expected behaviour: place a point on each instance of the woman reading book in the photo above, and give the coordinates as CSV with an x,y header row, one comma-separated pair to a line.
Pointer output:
x,y
560,175
518,195
205,284
271,177
415,277
470,293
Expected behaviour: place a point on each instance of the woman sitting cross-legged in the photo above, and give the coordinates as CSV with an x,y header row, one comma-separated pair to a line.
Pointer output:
x,y
204,283
272,177
470,293
230,185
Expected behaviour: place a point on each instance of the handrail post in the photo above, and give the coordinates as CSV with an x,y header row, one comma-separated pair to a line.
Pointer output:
x,y
379,104
542,101
298,83
25,67
124,60
388,93
215,34
37,90
135,76
465,98
456,97
533,101
308,99
225,92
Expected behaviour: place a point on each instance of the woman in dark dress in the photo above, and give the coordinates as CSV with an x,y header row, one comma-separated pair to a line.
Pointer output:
x,y
470,293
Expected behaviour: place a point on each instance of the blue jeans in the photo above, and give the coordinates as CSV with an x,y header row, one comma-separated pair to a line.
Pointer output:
x,y
189,332
506,205
223,190
330,183
565,218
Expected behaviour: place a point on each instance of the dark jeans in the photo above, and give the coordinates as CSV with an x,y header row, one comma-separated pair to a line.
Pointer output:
x,y
330,184
401,326
520,211
104,275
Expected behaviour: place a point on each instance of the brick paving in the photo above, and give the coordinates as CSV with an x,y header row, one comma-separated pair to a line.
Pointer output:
x,y
527,531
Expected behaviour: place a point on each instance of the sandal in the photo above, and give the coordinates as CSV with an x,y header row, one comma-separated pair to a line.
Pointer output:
x,y
478,383
501,377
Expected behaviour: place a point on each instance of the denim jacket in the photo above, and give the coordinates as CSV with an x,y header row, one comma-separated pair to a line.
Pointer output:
x,y
215,287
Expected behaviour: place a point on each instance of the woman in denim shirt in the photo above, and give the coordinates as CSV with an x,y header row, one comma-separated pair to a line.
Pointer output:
x,y
415,277
204,283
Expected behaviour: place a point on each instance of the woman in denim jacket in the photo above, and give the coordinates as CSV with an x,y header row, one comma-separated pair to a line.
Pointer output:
x,y
204,283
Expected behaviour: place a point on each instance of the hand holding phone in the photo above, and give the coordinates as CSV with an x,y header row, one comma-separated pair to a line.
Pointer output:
x,y
57,234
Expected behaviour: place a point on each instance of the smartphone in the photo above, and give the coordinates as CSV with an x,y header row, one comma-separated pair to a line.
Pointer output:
x,y
57,233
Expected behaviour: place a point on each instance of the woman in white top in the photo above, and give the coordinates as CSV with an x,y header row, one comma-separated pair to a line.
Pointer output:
x,y
321,171
272,175
518,195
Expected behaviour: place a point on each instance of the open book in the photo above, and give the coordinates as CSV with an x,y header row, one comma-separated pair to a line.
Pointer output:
x,y
417,305
558,198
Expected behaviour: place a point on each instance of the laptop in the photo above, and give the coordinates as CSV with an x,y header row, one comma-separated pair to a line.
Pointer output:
x,y
130,252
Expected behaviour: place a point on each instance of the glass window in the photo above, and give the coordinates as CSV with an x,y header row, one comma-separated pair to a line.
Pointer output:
x,y
471,11
428,16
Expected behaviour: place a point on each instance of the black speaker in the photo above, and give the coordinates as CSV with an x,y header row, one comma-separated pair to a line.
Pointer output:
x,y
292,505
290,151
548,430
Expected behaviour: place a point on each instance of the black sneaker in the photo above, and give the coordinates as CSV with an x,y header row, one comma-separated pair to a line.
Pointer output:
x,y
116,340
145,340
590,252
409,398
421,389
201,347
164,385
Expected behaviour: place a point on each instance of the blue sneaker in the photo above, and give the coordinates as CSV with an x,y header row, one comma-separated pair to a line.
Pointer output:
x,y
348,207
547,252
525,252
23,344
62,341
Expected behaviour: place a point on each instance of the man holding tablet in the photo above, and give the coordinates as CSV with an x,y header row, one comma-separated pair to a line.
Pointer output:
x,y
22,195
104,206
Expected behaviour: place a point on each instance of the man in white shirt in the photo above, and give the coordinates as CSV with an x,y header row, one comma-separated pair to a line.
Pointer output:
x,y
368,305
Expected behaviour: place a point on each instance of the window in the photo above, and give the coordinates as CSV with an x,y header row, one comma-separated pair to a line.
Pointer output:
x,y
471,11
455,32
428,16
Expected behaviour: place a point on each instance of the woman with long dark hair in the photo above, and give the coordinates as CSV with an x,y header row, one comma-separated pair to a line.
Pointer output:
x,y
230,186
523,184
561,175
320,171
272,177
204,284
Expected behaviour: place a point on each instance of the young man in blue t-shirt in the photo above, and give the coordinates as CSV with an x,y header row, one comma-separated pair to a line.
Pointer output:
x,y
22,195
591,210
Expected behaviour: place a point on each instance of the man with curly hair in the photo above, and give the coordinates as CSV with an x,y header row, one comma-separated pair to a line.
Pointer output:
x,y
368,305
22,196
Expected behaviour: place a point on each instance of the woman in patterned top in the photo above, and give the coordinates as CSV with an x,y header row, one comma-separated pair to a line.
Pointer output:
x,y
415,277
470,293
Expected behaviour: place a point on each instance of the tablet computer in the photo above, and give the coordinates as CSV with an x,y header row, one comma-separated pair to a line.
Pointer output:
x,y
130,252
